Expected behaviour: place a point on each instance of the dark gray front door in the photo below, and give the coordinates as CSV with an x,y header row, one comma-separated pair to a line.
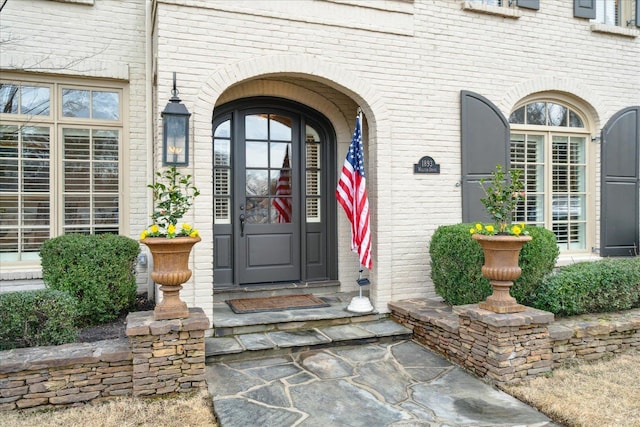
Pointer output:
x,y
267,193
273,211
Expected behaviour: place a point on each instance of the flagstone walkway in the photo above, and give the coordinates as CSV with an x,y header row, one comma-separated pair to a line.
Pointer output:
x,y
383,384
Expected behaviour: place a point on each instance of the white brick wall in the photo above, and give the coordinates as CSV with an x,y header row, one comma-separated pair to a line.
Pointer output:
x,y
105,40
404,62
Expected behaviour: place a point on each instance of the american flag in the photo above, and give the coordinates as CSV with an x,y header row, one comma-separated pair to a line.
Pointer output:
x,y
352,195
282,202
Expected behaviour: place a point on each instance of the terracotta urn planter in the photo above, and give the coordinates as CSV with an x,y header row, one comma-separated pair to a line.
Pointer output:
x,y
501,268
170,271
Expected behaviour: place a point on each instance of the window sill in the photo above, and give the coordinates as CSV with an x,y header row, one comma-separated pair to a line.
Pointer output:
x,y
87,2
568,259
613,29
505,12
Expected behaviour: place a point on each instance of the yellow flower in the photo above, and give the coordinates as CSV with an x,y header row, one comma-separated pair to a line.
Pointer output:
x,y
479,227
171,229
490,228
154,229
515,230
144,234
194,233
186,227
472,230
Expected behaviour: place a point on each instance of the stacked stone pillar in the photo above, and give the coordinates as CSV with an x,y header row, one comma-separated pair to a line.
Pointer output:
x,y
168,355
505,348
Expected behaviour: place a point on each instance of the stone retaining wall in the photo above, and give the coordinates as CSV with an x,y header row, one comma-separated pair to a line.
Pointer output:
x,y
160,357
508,348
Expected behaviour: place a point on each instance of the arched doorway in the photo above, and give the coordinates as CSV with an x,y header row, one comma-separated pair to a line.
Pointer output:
x,y
274,217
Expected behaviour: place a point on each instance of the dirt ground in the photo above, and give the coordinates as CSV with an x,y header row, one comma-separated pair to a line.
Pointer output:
x,y
115,328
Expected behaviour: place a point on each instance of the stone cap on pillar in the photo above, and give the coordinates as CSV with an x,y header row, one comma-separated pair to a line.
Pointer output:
x,y
527,317
143,323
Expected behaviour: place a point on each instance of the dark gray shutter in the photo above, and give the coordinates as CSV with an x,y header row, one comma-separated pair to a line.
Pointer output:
x,y
529,4
637,18
584,9
620,216
485,144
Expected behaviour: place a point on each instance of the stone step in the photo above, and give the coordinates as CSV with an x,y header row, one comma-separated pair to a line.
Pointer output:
x,y
261,344
254,291
227,323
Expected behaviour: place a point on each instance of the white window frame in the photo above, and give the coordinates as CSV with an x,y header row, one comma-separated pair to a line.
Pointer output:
x,y
56,123
548,132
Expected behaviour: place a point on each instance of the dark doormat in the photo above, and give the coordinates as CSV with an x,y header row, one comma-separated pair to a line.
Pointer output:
x,y
277,303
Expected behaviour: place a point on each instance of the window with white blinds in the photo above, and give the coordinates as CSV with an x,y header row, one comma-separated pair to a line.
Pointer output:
x,y
313,172
222,173
549,144
60,154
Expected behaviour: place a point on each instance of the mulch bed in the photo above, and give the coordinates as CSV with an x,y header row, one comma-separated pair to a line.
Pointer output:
x,y
117,327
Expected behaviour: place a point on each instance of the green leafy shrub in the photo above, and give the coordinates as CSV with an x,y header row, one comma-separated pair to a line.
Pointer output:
x,y
35,318
96,269
457,259
591,287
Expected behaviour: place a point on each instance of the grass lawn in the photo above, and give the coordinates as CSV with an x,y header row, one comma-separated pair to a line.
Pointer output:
x,y
602,394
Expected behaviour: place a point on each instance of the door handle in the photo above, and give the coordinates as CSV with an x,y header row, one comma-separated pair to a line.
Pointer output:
x,y
241,225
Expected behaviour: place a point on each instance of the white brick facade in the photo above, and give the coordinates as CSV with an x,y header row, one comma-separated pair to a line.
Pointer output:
x,y
404,62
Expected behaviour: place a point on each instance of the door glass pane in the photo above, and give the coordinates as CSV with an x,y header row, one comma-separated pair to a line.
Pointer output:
x,y
75,103
257,154
313,209
223,130
222,210
256,127
221,153
280,157
281,211
257,210
257,182
280,128
222,182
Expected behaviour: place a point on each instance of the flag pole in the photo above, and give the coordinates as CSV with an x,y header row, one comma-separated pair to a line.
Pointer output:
x,y
360,304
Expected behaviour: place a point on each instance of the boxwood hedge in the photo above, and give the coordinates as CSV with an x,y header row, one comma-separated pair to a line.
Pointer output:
x,y
591,287
35,318
98,270
457,259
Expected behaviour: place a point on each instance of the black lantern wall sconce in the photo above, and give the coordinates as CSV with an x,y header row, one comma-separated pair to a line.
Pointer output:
x,y
175,131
